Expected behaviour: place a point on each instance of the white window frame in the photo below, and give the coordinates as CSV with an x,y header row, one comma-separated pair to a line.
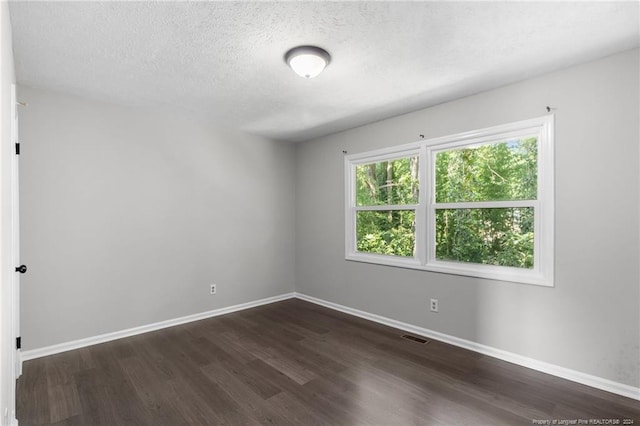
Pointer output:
x,y
542,272
377,157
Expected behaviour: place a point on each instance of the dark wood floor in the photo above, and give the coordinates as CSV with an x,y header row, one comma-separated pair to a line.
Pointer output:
x,y
295,363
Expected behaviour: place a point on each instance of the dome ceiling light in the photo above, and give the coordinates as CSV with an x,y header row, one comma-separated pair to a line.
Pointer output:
x,y
307,61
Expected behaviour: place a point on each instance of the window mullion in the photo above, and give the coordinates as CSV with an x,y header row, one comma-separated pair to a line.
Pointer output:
x,y
486,204
423,225
386,207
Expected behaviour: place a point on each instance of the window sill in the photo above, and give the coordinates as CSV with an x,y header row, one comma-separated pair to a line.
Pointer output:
x,y
490,272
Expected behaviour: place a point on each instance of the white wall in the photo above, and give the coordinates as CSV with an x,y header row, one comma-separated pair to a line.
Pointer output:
x,y
7,77
128,216
590,321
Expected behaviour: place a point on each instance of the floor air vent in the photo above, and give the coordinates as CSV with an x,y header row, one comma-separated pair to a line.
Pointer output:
x,y
415,339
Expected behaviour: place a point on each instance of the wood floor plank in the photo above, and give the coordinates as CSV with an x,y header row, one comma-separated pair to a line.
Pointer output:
x,y
295,363
291,367
196,390
363,406
61,367
192,407
247,375
228,341
313,401
64,401
72,421
344,354
153,390
32,394
93,398
252,404
411,402
282,344
447,389
297,412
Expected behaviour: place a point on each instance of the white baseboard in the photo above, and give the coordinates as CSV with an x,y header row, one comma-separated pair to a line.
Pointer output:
x,y
89,341
565,373
554,370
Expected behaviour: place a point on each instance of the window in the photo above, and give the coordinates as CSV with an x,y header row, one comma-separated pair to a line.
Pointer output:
x,y
386,198
478,204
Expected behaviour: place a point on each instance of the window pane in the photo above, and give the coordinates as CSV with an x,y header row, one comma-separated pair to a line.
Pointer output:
x,y
492,172
386,232
387,182
493,236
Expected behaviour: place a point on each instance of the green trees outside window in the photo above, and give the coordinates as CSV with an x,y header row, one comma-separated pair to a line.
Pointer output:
x,y
493,172
386,232
505,171
494,235
392,183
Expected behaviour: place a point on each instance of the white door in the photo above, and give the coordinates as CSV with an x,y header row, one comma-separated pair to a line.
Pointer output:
x,y
15,237
15,231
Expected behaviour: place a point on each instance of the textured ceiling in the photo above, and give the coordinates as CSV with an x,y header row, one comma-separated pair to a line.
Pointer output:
x,y
225,59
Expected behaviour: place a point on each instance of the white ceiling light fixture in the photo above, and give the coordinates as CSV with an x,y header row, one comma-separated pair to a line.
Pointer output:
x,y
307,61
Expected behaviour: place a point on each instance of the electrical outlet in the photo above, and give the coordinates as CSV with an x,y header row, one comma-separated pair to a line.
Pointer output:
x,y
212,290
434,305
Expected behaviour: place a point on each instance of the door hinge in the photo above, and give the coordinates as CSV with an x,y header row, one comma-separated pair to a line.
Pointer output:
x,y
17,148
18,342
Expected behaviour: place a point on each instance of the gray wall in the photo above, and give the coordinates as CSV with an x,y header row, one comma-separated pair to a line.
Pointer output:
x,y
129,215
589,322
